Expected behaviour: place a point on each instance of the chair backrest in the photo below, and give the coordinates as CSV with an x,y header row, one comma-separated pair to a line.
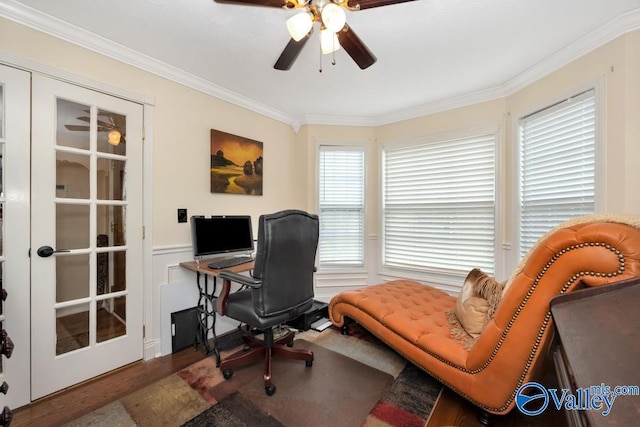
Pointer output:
x,y
285,261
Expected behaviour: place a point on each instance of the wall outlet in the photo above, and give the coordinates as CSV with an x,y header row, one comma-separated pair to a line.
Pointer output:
x,y
182,215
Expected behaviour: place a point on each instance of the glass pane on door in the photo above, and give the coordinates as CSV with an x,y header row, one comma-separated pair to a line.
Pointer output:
x,y
72,175
72,226
73,124
111,182
109,320
72,328
110,222
72,277
111,133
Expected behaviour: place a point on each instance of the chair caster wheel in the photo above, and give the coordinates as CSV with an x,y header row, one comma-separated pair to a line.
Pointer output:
x,y
227,373
290,344
270,390
309,363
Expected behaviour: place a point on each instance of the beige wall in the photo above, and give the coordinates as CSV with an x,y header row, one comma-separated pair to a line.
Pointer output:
x,y
183,118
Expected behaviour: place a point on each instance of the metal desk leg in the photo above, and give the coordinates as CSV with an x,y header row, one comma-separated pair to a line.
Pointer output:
x,y
207,316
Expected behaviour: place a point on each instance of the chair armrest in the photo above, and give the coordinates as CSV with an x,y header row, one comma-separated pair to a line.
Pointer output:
x,y
227,277
241,278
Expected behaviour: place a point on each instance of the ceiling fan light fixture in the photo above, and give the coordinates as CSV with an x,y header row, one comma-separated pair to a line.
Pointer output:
x,y
328,41
299,25
333,17
114,137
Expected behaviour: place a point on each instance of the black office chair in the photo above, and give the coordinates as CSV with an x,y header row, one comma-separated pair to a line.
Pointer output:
x,y
279,289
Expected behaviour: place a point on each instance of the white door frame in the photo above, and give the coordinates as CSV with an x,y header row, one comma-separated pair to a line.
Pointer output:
x,y
151,344
16,265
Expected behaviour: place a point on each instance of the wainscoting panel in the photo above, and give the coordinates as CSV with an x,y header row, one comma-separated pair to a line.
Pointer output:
x,y
177,290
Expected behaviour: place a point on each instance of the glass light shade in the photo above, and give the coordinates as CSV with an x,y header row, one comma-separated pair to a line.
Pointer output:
x,y
114,137
299,25
333,17
328,41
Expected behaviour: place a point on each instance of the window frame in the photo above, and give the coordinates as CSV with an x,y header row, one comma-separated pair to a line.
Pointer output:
x,y
598,87
345,146
447,280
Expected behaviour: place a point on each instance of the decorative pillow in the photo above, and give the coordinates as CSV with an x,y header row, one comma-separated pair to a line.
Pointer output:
x,y
475,305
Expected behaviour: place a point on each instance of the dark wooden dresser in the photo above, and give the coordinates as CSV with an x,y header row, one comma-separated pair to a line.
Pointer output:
x,y
599,344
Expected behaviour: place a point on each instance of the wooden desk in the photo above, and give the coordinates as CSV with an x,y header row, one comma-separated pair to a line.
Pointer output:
x,y
599,343
208,303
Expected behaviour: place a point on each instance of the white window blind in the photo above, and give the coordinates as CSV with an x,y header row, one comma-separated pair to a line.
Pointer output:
x,y
557,157
439,205
341,200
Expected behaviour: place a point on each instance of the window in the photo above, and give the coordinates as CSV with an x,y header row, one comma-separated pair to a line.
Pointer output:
x,y
557,174
341,202
439,205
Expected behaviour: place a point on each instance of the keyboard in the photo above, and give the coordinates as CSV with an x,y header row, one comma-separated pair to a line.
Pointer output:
x,y
229,262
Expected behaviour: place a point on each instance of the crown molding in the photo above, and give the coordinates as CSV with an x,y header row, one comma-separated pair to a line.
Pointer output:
x,y
55,27
338,120
613,29
37,20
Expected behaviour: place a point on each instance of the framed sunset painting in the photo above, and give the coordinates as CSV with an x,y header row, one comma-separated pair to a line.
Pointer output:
x,y
236,164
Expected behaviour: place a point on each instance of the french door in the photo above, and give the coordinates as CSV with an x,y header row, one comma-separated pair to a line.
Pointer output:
x,y
86,234
14,232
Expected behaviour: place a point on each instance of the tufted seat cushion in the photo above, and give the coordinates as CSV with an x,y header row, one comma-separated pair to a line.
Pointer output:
x,y
412,309
404,312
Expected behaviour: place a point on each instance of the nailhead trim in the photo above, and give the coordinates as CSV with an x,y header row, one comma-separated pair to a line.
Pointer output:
x,y
541,330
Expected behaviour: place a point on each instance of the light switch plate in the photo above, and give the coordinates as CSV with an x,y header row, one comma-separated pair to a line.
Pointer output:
x,y
182,215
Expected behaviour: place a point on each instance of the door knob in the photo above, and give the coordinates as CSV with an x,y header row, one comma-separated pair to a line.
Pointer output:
x,y
47,251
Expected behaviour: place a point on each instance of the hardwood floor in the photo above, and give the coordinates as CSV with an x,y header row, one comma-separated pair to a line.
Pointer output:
x,y
452,410
76,401
69,404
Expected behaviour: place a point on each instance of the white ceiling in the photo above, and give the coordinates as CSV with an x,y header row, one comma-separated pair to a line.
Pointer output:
x,y
430,52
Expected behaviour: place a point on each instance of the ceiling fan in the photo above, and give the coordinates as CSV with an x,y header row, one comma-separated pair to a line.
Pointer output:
x,y
115,131
334,31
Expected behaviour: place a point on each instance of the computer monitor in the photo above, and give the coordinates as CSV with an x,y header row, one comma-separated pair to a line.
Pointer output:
x,y
220,235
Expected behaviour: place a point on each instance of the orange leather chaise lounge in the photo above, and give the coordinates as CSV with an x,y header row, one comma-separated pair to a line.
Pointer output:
x,y
412,318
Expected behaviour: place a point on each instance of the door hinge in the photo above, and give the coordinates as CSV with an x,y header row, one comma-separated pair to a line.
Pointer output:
x,y
144,331
144,231
144,133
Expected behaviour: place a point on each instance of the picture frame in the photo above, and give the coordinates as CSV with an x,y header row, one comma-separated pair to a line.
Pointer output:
x,y
237,164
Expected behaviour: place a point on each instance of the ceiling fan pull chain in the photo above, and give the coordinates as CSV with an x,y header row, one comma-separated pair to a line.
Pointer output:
x,y
320,69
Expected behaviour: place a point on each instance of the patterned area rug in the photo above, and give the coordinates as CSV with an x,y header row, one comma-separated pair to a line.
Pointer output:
x,y
355,381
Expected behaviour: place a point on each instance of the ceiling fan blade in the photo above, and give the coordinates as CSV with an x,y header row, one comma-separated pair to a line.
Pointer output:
x,y
291,52
77,127
106,125
100,122
368,4
286,4
356,49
